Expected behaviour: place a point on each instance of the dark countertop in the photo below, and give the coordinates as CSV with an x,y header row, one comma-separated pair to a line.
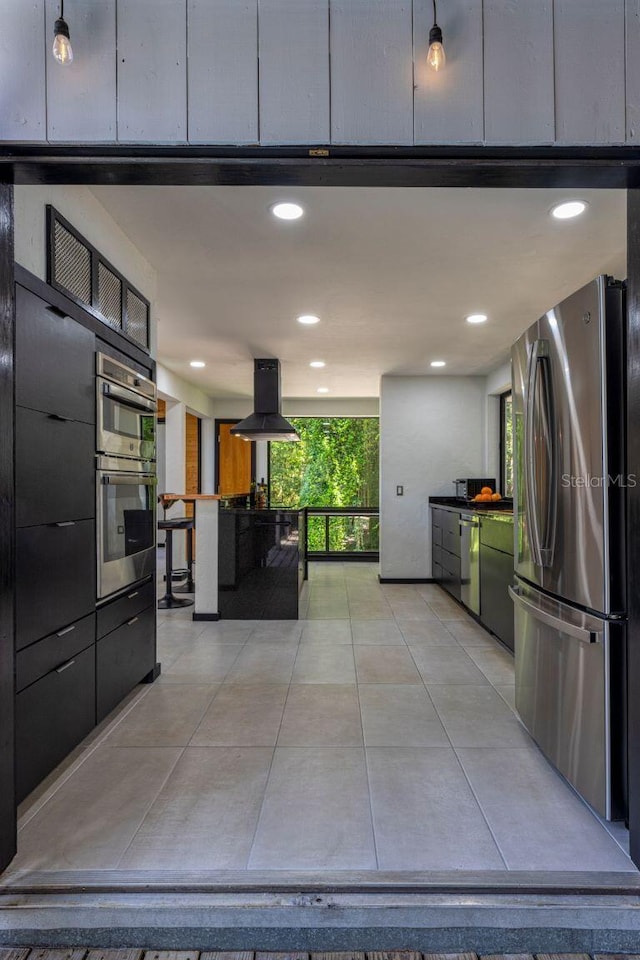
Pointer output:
x,y
504,506
259,511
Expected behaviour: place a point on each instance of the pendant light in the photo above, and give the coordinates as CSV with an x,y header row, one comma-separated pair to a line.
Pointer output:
x,y
436,57
62,50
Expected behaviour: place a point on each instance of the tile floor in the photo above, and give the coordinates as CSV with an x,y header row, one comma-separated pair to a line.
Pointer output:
x,y
378,733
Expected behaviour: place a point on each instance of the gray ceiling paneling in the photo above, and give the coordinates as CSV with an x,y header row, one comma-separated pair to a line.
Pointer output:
x,y
294,71
22,77
518,71
81,97
223,71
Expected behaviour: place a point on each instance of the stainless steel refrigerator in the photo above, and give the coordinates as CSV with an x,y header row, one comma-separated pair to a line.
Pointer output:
x,y
569,593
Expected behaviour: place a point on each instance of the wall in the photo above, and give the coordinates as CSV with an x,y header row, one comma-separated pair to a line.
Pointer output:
x,y
92,220
432,429
322,71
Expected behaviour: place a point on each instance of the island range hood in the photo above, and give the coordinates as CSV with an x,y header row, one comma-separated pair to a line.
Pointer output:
x,y
266,422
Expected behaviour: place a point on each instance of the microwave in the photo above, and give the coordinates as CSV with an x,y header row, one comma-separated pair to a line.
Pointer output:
x,y
468,487
125,411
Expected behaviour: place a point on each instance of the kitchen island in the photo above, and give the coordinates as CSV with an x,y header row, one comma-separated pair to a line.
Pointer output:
x,y
260,563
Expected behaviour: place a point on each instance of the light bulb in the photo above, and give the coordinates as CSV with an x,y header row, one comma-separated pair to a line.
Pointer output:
x,y
61,49
436,57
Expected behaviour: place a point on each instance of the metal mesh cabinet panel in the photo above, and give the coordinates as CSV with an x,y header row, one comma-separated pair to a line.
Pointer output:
x,y
109,296
137,319
71,264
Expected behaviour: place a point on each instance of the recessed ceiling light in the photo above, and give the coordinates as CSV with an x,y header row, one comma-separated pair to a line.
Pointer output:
x,y
438,363
197,363
477,318
323,389
308,318
317,364
287,211
569,209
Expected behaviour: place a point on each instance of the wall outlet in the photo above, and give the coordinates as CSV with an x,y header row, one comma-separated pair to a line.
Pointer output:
x,y
399,491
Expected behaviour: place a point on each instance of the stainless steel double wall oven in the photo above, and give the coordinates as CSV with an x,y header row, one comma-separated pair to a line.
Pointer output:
x,y
125,475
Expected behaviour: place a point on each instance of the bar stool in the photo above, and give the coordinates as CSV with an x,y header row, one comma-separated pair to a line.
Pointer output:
x,y
177,523
189,586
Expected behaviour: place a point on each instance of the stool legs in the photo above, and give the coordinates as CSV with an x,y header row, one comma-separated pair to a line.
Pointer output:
x,y
188,586
169,600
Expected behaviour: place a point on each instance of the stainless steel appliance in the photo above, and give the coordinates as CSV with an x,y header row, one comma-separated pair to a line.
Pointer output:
x,y
570,586
470,561
468,487
126,522
126,411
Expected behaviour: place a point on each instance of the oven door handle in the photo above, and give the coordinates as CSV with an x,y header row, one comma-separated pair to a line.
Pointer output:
x,y
128,479
129,398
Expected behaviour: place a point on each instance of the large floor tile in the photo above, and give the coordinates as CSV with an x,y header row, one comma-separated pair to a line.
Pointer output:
x,y
477,716
274,630
327,611
399,715
412,610
468,633
384,632
324,663
426,631
205,817
497,665
206,663
424,813
379,664
327,631
508,693
264,663
91,819
439,664
362,610
539,823
243,715
316,813
447,609
321,714
166,716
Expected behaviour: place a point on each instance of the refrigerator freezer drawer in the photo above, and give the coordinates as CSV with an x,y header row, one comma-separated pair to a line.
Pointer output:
x,y
568,666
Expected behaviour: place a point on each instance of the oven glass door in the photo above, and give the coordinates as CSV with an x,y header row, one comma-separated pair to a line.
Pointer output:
x,y
126,529
126,422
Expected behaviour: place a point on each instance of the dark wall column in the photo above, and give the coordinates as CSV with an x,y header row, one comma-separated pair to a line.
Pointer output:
x,y
7,315
633,514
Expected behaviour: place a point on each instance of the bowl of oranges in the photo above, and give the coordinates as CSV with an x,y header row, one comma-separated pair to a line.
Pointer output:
x,y
487,495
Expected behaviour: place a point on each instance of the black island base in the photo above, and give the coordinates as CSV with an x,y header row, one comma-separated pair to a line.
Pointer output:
x,y
260,563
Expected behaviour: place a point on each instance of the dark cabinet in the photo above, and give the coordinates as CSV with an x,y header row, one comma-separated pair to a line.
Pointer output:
x,y
55,468
445,550
52,717
55,577
40,658
123,658
117,611
55,360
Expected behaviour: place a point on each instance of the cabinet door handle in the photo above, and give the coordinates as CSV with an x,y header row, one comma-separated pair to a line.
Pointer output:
x,y
130,596
65,666
65,523
132,621
59,419
61,633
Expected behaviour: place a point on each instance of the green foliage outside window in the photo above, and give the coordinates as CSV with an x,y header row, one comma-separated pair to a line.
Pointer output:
x,y
336,464
507,444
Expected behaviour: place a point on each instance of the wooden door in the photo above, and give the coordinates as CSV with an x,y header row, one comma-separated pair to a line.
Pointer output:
x,y
192,460
234,463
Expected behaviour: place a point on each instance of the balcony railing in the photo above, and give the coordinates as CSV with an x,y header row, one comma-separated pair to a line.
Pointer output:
x,y
342,533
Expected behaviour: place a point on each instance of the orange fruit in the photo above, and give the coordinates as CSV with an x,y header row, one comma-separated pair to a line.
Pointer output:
x,y
485,498
486,490
496,496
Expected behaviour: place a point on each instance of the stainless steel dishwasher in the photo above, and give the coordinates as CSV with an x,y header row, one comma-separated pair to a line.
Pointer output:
x,y
470,561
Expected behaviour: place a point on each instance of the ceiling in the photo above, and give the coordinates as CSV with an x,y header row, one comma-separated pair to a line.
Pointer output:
x,y
392,272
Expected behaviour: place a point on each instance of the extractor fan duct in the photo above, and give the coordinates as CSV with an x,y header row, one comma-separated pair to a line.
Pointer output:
x,y
266,422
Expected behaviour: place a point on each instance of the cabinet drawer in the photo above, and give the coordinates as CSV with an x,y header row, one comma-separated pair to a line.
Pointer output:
x,y
124,607
123,658
436,533
451,578
55,468
55,578
40,658
55,360
52,716
497,533
451,540
496,606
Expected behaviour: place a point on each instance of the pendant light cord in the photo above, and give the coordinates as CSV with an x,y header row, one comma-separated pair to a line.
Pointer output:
x,y
435,14
62,8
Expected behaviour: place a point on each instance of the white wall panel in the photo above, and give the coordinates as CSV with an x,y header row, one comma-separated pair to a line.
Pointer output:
x,y
589,69
448,106
223,71
294,71
152,70
81,97
632,21
371,71
22,70
518,71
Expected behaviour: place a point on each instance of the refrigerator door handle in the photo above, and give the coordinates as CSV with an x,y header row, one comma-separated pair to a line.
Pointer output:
x,y
570,629
541,547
